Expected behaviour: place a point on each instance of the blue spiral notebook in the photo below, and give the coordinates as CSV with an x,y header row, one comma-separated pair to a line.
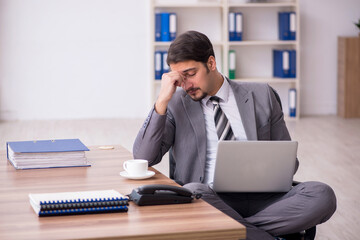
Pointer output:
x,y
74,203
47,153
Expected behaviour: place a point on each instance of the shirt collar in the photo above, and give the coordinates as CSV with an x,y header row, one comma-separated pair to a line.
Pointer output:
x,y
222,93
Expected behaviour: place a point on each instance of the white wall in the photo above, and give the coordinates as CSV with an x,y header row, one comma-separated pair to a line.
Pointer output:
x,y
73,59
89,58
322,21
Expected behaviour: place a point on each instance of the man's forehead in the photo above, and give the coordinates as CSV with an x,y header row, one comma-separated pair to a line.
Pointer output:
x,y
184,67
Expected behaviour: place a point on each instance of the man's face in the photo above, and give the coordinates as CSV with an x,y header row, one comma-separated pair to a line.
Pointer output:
x,y
197,79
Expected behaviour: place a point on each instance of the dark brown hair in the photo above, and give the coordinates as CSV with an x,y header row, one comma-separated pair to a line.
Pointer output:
x,y
191,45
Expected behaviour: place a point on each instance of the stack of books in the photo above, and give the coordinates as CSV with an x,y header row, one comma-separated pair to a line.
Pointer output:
x,y
47,154
74,203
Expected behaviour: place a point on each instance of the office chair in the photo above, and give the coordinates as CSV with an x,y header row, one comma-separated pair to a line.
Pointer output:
x,y
308,234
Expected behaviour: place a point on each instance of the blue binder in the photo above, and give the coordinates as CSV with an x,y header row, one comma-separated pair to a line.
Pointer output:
x,y
165,25
59,145
284,63
238,26
158,64
292,102
172,26
281,63
287,25
231,26
158,27
165,67
292,73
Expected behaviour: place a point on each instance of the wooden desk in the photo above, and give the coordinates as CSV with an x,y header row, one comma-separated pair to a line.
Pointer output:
x,y
197,220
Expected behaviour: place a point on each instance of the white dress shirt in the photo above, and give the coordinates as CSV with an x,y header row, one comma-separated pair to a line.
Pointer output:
x,y
229,107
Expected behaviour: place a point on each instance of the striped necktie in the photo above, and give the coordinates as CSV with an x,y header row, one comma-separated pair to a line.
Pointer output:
x,y
223,128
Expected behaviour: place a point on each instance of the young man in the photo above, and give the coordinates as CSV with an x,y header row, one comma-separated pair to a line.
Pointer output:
x,y
184,120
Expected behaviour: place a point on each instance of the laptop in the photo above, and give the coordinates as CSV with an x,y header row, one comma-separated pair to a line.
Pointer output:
x,y
255,166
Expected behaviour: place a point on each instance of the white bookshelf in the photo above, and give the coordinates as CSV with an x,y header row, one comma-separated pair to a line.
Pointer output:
x,y
253,54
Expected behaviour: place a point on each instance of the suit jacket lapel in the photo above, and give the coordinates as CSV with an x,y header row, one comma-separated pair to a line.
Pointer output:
x,y
245,102
196,117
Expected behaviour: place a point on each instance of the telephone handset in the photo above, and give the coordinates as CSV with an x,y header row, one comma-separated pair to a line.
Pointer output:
x,y
157,194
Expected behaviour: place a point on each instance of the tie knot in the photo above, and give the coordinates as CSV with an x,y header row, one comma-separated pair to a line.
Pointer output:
x,y
215,100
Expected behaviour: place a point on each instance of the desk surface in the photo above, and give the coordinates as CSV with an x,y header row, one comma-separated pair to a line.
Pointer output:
x,y
197,220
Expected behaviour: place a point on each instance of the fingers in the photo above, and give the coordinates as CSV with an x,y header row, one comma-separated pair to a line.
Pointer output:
x,y
176,78
169,82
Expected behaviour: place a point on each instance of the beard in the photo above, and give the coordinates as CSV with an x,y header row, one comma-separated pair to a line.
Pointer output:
x,y
194,97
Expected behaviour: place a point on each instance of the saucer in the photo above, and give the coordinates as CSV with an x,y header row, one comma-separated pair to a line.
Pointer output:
x,y
148,174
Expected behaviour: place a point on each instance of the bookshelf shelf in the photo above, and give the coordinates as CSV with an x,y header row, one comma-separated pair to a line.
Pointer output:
x,y
257,43
187,5
263,5
167,44
267,80
161,44
253,54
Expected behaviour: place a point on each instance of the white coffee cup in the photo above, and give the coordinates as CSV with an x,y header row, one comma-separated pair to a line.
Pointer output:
x,y
136,167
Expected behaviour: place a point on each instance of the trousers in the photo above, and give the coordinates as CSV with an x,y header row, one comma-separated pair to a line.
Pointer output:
x,y
266,215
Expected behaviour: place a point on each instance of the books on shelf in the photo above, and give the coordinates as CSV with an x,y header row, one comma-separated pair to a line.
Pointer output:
x,y
284,63
161,65
232,64
287,25
165,26
292,102
47,154
235,26
73,203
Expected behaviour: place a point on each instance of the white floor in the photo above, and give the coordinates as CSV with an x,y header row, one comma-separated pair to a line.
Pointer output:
x,y
329,151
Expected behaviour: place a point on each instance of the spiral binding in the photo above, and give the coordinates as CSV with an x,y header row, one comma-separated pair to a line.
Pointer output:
x,y
83,203
76,211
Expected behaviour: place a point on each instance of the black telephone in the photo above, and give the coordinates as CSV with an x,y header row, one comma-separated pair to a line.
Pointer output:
x,y
157,194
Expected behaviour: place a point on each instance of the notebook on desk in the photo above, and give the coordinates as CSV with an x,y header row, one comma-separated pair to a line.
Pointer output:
x,y
255,166
74,203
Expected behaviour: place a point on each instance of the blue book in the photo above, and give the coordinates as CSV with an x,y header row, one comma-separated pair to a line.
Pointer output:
x,y
238,26
172,26
165,67
287,25
292,102
158,27
158,65
292,73
165,27
47,153
231,26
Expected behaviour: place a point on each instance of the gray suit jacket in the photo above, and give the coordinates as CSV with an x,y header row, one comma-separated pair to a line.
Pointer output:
x,y
183,128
